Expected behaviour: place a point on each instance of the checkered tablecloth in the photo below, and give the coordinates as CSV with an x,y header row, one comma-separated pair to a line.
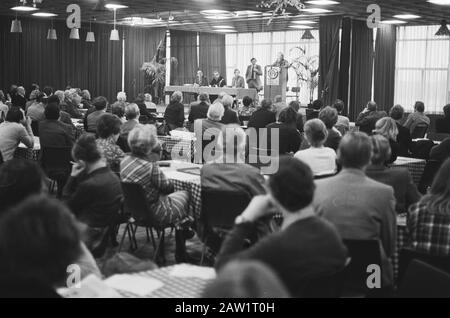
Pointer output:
x,y
79,130
179,148
174,287
29,154
415,167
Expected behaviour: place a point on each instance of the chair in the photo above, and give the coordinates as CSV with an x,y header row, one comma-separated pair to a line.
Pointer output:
x,y
35,128
407,255
140,214
328,286
429,172
311,113
419,131
362,253
219,210
422,280
438,136
56,163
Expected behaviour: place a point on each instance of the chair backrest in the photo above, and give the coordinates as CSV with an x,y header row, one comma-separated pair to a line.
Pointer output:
x,y
422,280
407,255
437,136
135,202
428,174
220,208
35,128
419,131
327,286
56,160
362,253
311,113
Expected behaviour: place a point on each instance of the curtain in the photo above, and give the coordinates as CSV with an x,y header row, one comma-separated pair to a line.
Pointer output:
x,y
141,45
29,58
361,67
329,58
344,66
184,48
384,77
212,54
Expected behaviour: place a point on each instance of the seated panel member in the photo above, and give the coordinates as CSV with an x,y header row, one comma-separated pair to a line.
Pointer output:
x,y
200,79
238,81
218,80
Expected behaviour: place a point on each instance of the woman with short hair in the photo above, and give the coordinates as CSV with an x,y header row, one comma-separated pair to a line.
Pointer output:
x,y
321,159
108,132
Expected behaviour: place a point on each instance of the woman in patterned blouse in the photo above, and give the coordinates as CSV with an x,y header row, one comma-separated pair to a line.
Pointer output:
x,y
108,131
429,219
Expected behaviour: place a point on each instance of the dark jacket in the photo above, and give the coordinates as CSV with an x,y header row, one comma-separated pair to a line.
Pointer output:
x,y
405,191
198,111
55,134
305,250
261,118
367,120
333,139
220,82
442,151
19,101
443,125
404,140
289,138
174,115
72,109
230,117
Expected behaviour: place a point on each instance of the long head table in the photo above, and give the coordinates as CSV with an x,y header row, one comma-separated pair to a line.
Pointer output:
x,y
240,93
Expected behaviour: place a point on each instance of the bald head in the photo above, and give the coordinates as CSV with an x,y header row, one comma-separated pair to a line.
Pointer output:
x,y
372,106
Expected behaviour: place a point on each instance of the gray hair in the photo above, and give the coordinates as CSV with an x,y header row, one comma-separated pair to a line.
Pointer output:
x,y
227,101
142,140
216,111
60,95
177,97
122,97
316,132
132,111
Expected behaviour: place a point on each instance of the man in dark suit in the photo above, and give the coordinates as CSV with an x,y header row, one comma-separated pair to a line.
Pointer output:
x,y
443,123
404,136
198,110
368,117
218,80
54,133
253,75
229,116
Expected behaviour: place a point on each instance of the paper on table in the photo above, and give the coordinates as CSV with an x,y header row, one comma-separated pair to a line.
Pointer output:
x,y
176,175
90,287
185,270
138,285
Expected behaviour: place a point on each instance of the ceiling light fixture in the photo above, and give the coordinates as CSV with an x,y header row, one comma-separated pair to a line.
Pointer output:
x,y
393,21
115,6
443,30
440,2
301,27
16,26
90,36
322,2
307,35
44,14
303,22
51,34
316,10
406,16
114,32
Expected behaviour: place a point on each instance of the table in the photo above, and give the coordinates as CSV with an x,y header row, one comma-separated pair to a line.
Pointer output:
x,y
187,182
79,127
175,286
415,166
23,152
180,148
240,93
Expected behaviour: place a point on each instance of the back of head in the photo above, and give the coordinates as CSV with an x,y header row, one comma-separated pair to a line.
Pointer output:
x,y
447,110
329,116
292,186
372,106
54,99
121,96
316,132
15,115
317,104
48,91
339,105
203,97
397,112
227,101
295,105
108,125
387,127
18,180
355,150
216,111
177,97
419,107
118,109
247,101
132,111
85,148
100,103
86,95
39,239
60,95
381,150
52,111
246,279
266,104
288,116
142,140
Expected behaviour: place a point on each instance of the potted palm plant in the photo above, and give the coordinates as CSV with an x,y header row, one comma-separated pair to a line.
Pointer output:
x,y
307,70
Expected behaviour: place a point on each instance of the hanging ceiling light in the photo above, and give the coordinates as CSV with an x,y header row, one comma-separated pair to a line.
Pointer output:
x,y
115,33
74,34
51,35
307,35
24,7
443,30
16,26
90,37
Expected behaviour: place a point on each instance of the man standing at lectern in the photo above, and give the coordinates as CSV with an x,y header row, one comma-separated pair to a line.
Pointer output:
x,y
253,75
283,65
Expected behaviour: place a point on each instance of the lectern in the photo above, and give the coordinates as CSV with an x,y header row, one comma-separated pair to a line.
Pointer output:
x,y
275,82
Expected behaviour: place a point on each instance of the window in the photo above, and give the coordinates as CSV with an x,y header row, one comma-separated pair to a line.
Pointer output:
x,y
264,46
422,68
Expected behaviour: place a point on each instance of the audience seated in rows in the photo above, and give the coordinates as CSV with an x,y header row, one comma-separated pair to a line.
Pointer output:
x,y
229,116
247,109
398,178
404,140
278,105
299,121
91,119
429,220
321,159
118,109
417,117
3,107
15,130
246,279
360,208
387,127
36,110
86,99
368,117
93,192
64,117
108,132
53,133
148,100
313,109
72,104
343,123
288,138
198,110
443,123
18,97
174,114
329,116
263,116
306,248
